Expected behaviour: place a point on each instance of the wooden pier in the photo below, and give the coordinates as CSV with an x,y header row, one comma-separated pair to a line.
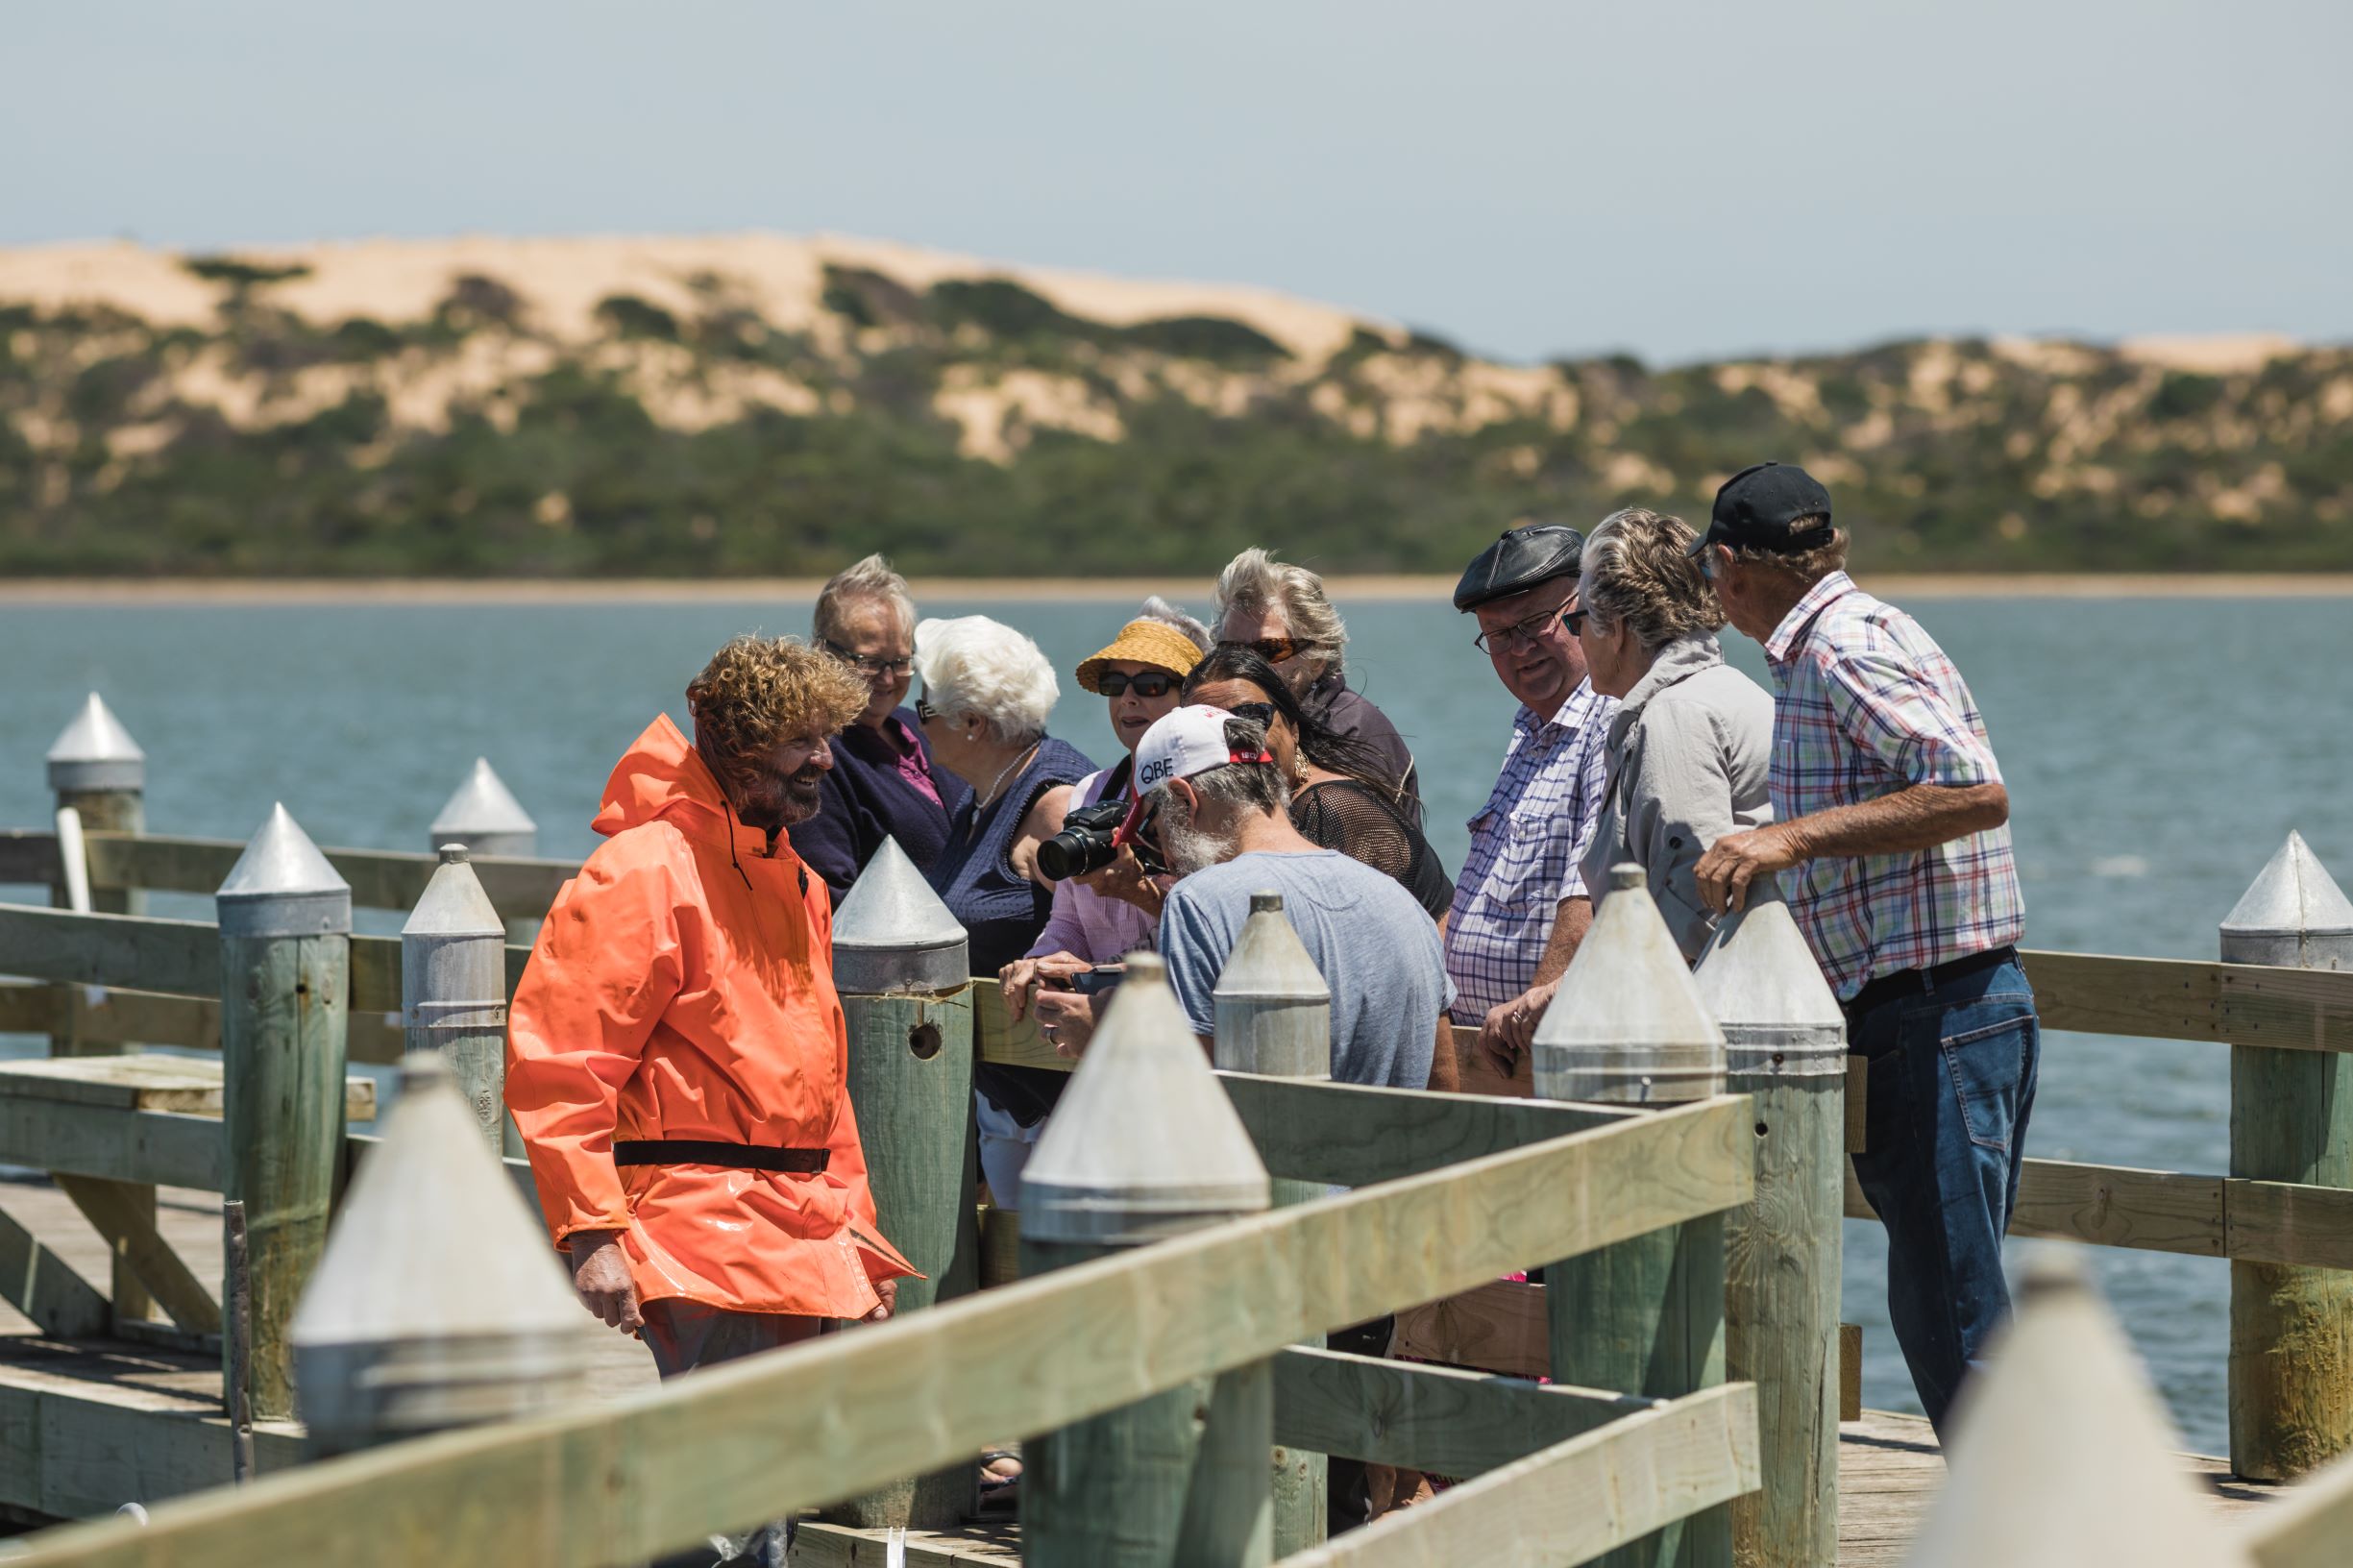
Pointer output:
x,y
109,1396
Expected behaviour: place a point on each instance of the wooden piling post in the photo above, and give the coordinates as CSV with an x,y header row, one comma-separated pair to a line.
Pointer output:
x,y
1785,1045
901,967
437,1302
286,920
2291,1120
1143,1146
454,988
97,770
1274,1018
1644,1317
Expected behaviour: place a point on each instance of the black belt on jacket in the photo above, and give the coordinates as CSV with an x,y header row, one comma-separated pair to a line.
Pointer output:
x,y
697,1151
1903,983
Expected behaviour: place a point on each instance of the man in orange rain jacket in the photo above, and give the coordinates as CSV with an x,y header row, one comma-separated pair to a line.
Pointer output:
x,y
676,1056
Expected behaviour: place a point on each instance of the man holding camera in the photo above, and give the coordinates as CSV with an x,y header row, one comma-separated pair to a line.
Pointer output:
x,y
1221,809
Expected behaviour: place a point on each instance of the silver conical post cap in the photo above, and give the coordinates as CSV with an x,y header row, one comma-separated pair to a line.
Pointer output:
x,y
453,903
1273,1007
892,934
2060,1454
437,1302
484,816
1760,981
1144,1143
1627,1025
283,887
95,752
2293,914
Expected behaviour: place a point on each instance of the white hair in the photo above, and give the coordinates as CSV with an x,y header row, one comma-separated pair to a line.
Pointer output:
x,y
1156,609
870,582
973,664
1255,582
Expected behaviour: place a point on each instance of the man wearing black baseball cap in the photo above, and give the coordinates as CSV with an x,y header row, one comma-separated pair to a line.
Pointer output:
x,y
1890,841
1521,906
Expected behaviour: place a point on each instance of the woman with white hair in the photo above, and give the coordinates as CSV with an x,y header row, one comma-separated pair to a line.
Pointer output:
x,y
882,785
987,694
1281,613
1692,739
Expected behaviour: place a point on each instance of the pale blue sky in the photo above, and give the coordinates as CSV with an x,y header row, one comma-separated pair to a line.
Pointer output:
x,y
1680,179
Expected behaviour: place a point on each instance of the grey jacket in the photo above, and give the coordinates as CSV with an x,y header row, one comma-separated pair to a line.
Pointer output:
x,y
1689,749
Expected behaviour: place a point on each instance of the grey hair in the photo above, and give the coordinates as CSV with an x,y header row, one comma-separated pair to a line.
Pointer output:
x,y
1156,609
1253,785
1637,571
973,664
1806,566
870,582
1255,582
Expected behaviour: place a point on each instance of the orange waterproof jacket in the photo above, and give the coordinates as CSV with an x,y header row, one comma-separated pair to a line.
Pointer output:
x,y
682,987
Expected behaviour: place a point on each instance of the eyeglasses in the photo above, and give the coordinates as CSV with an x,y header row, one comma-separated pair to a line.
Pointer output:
x,y
1261,714
1151,683
1527,631
1273,650
872,664
924,712
1575,621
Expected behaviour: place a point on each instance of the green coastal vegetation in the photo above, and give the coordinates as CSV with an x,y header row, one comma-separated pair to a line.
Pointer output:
x,y
975,428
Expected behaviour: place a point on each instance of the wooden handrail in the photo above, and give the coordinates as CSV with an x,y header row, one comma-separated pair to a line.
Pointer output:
x,y
610,1485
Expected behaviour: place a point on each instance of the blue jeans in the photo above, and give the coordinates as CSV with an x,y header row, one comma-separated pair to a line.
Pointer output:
x,y
1951,1084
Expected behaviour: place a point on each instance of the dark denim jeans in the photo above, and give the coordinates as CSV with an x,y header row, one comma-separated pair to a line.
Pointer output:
x,y
1953,1073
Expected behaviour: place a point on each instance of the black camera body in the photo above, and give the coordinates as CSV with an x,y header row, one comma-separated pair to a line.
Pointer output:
x,y
1091,840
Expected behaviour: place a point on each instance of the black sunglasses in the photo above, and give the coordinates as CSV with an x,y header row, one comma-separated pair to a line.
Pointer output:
x,y
1273,650
924,712
1151,683
1261,714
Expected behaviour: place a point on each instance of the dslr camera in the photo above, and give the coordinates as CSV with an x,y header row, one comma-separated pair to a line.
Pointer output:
x,y
1091,840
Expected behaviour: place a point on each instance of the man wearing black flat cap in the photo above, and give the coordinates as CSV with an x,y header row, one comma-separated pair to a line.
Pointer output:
x,y
1520,905
1890,841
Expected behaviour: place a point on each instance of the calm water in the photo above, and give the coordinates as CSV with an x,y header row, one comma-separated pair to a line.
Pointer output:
x,y
2157,752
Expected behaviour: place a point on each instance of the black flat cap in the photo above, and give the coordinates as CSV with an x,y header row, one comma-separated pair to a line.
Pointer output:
x,y
1759,508
1518,561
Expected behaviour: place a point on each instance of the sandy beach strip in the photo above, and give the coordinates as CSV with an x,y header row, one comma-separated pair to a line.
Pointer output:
x,y
72,591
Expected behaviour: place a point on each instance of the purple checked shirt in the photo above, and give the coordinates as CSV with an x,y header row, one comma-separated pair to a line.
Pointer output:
x,y
1526,843
1866,704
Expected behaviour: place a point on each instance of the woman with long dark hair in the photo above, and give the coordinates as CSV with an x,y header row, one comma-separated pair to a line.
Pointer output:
x,y
1342,795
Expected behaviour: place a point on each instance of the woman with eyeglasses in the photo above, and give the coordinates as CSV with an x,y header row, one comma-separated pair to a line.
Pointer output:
x,y
1099,918
882,784
1340,793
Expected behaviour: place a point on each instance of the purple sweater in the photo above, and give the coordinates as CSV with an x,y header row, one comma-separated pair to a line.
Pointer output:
x,y
866,799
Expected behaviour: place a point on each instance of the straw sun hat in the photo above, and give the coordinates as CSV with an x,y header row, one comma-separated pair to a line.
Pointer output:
x,y
1155,643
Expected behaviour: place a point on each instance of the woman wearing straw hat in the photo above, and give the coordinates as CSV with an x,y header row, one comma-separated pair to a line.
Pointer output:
x,y
1103,915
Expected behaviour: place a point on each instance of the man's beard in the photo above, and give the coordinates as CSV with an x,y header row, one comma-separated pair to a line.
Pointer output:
x,y
776,804
1189,849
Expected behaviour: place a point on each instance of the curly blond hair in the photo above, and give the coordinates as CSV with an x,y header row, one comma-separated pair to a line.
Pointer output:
x,y
759,692
1637,571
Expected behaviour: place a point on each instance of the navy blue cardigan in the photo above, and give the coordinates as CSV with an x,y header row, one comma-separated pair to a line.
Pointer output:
x,y
865,799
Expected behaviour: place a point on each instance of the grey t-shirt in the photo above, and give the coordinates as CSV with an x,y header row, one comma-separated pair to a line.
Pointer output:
x,y
1375,947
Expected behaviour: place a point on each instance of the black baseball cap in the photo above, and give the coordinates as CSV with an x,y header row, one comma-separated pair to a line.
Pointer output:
x,y
1758,507
1518,561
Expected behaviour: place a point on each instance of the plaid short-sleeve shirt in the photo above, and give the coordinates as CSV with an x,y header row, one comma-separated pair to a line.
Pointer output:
x,y
1526,844
1866,704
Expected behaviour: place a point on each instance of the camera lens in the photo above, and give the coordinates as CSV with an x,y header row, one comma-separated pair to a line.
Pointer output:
x,y
1074,851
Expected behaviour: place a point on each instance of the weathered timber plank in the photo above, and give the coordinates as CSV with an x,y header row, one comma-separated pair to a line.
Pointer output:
x,y
156,1147
2111,1206
615,1484
1851,1371
28,858
1353,1135
27,1008
125,1018
997,1039
393,879
182,956
43,1286
129,1227
838,1546
2309,1527
1575,1500
1479,1075
2164,998
189,1085
81,1450
1436,1418
2285,1222
1498,1326
1001,1246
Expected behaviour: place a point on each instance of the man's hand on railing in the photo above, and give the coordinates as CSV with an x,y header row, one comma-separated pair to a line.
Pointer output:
x,y
1020,979
1066,1020
600,1275
1509,1030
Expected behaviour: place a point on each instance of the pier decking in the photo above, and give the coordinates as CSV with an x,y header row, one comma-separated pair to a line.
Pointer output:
x,y
1889,1466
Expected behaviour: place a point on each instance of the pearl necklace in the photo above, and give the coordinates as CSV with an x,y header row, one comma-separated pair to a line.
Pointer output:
x,y
987,795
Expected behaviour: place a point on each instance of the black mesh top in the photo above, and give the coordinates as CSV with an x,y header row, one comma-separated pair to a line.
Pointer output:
x,y
1344,815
